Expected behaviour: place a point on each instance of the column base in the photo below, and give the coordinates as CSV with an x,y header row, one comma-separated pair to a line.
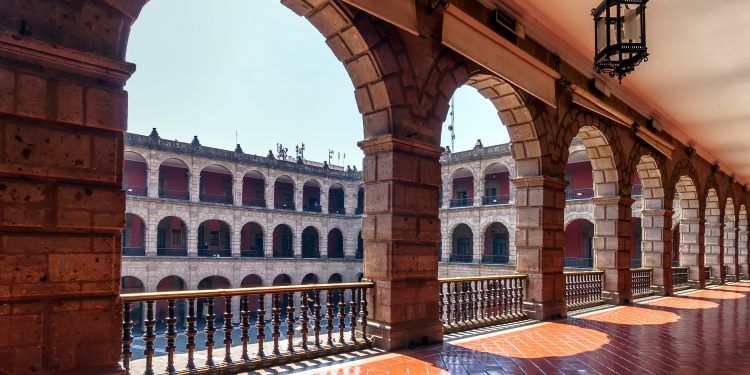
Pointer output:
x,y
696,284
545,310
617,298
662,290
718,281
405,335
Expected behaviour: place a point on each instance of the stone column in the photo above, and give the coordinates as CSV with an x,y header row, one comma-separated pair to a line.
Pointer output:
x,y
477,245
269,194
236,237
478,191
153,181
692,250
540,203
730,253
350,201
612,229
195,185
714,245
401,230
323,249
152,229
742,252
298,190
656,248
237,191
192,235
323,201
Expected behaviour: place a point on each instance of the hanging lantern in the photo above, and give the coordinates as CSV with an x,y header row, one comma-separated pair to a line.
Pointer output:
x,y
619,36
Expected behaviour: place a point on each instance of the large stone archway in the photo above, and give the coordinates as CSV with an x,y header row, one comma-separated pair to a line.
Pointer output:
x,y
656,224
714,236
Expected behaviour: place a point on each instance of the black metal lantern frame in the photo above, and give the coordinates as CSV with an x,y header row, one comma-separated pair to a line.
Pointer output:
x,y
619,36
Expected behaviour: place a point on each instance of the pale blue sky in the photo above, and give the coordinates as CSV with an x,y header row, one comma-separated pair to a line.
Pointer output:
x,y
210,68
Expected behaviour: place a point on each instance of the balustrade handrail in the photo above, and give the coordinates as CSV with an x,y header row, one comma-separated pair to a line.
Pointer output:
x,y
576,273
481,278
234,292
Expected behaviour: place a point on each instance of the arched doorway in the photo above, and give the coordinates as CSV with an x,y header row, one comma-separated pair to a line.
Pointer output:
x,y
579,247
335,244
463,244
171,237
496,244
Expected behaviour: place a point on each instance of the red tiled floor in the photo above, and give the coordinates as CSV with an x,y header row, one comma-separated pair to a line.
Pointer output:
x,y
705,332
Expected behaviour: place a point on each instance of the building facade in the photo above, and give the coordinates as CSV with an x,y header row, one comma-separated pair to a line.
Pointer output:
x,y
200,218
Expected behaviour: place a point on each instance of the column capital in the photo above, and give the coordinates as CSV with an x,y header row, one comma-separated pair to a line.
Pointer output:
x,y
618,200
392,143
539,181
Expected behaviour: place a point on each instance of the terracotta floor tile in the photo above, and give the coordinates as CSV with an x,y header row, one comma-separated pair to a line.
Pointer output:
x,y
705,332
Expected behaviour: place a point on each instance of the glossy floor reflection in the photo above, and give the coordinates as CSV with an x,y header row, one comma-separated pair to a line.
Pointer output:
x,y
703,332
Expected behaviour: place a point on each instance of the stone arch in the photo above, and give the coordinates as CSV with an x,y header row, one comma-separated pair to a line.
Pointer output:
x,y
310,278
569,218
526,147
335,278
251,281
134,235
172,236
214,238
652,236
175,178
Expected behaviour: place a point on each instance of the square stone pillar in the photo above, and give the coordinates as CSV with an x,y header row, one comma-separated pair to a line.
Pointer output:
x,y
692,250
731,258
153,181
269,197
656,248
714,243
237,191
612,229
742,253
324,201
540,236
195,185
401,230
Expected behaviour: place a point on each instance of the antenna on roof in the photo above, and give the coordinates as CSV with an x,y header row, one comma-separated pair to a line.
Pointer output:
x,y
451,127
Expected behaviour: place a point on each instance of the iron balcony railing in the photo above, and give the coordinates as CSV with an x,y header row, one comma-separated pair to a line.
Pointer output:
x,y
641,281
337,211
285,206
583,289
471,302
462,202
310,254
680,277
174,194
573,194
216,198
254,202
489,200
495,259
215,253
312,208
283,253
252,253
129,251
636,190
583,263
171,252
336,255
135,190
675,263
461,258
635,263
303,322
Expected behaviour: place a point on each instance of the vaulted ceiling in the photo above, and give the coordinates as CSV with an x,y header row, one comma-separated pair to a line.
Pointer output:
x,y
696,81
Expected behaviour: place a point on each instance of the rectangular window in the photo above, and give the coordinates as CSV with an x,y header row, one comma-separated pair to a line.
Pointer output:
x,y
176,237
491,192
500,245
213,238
